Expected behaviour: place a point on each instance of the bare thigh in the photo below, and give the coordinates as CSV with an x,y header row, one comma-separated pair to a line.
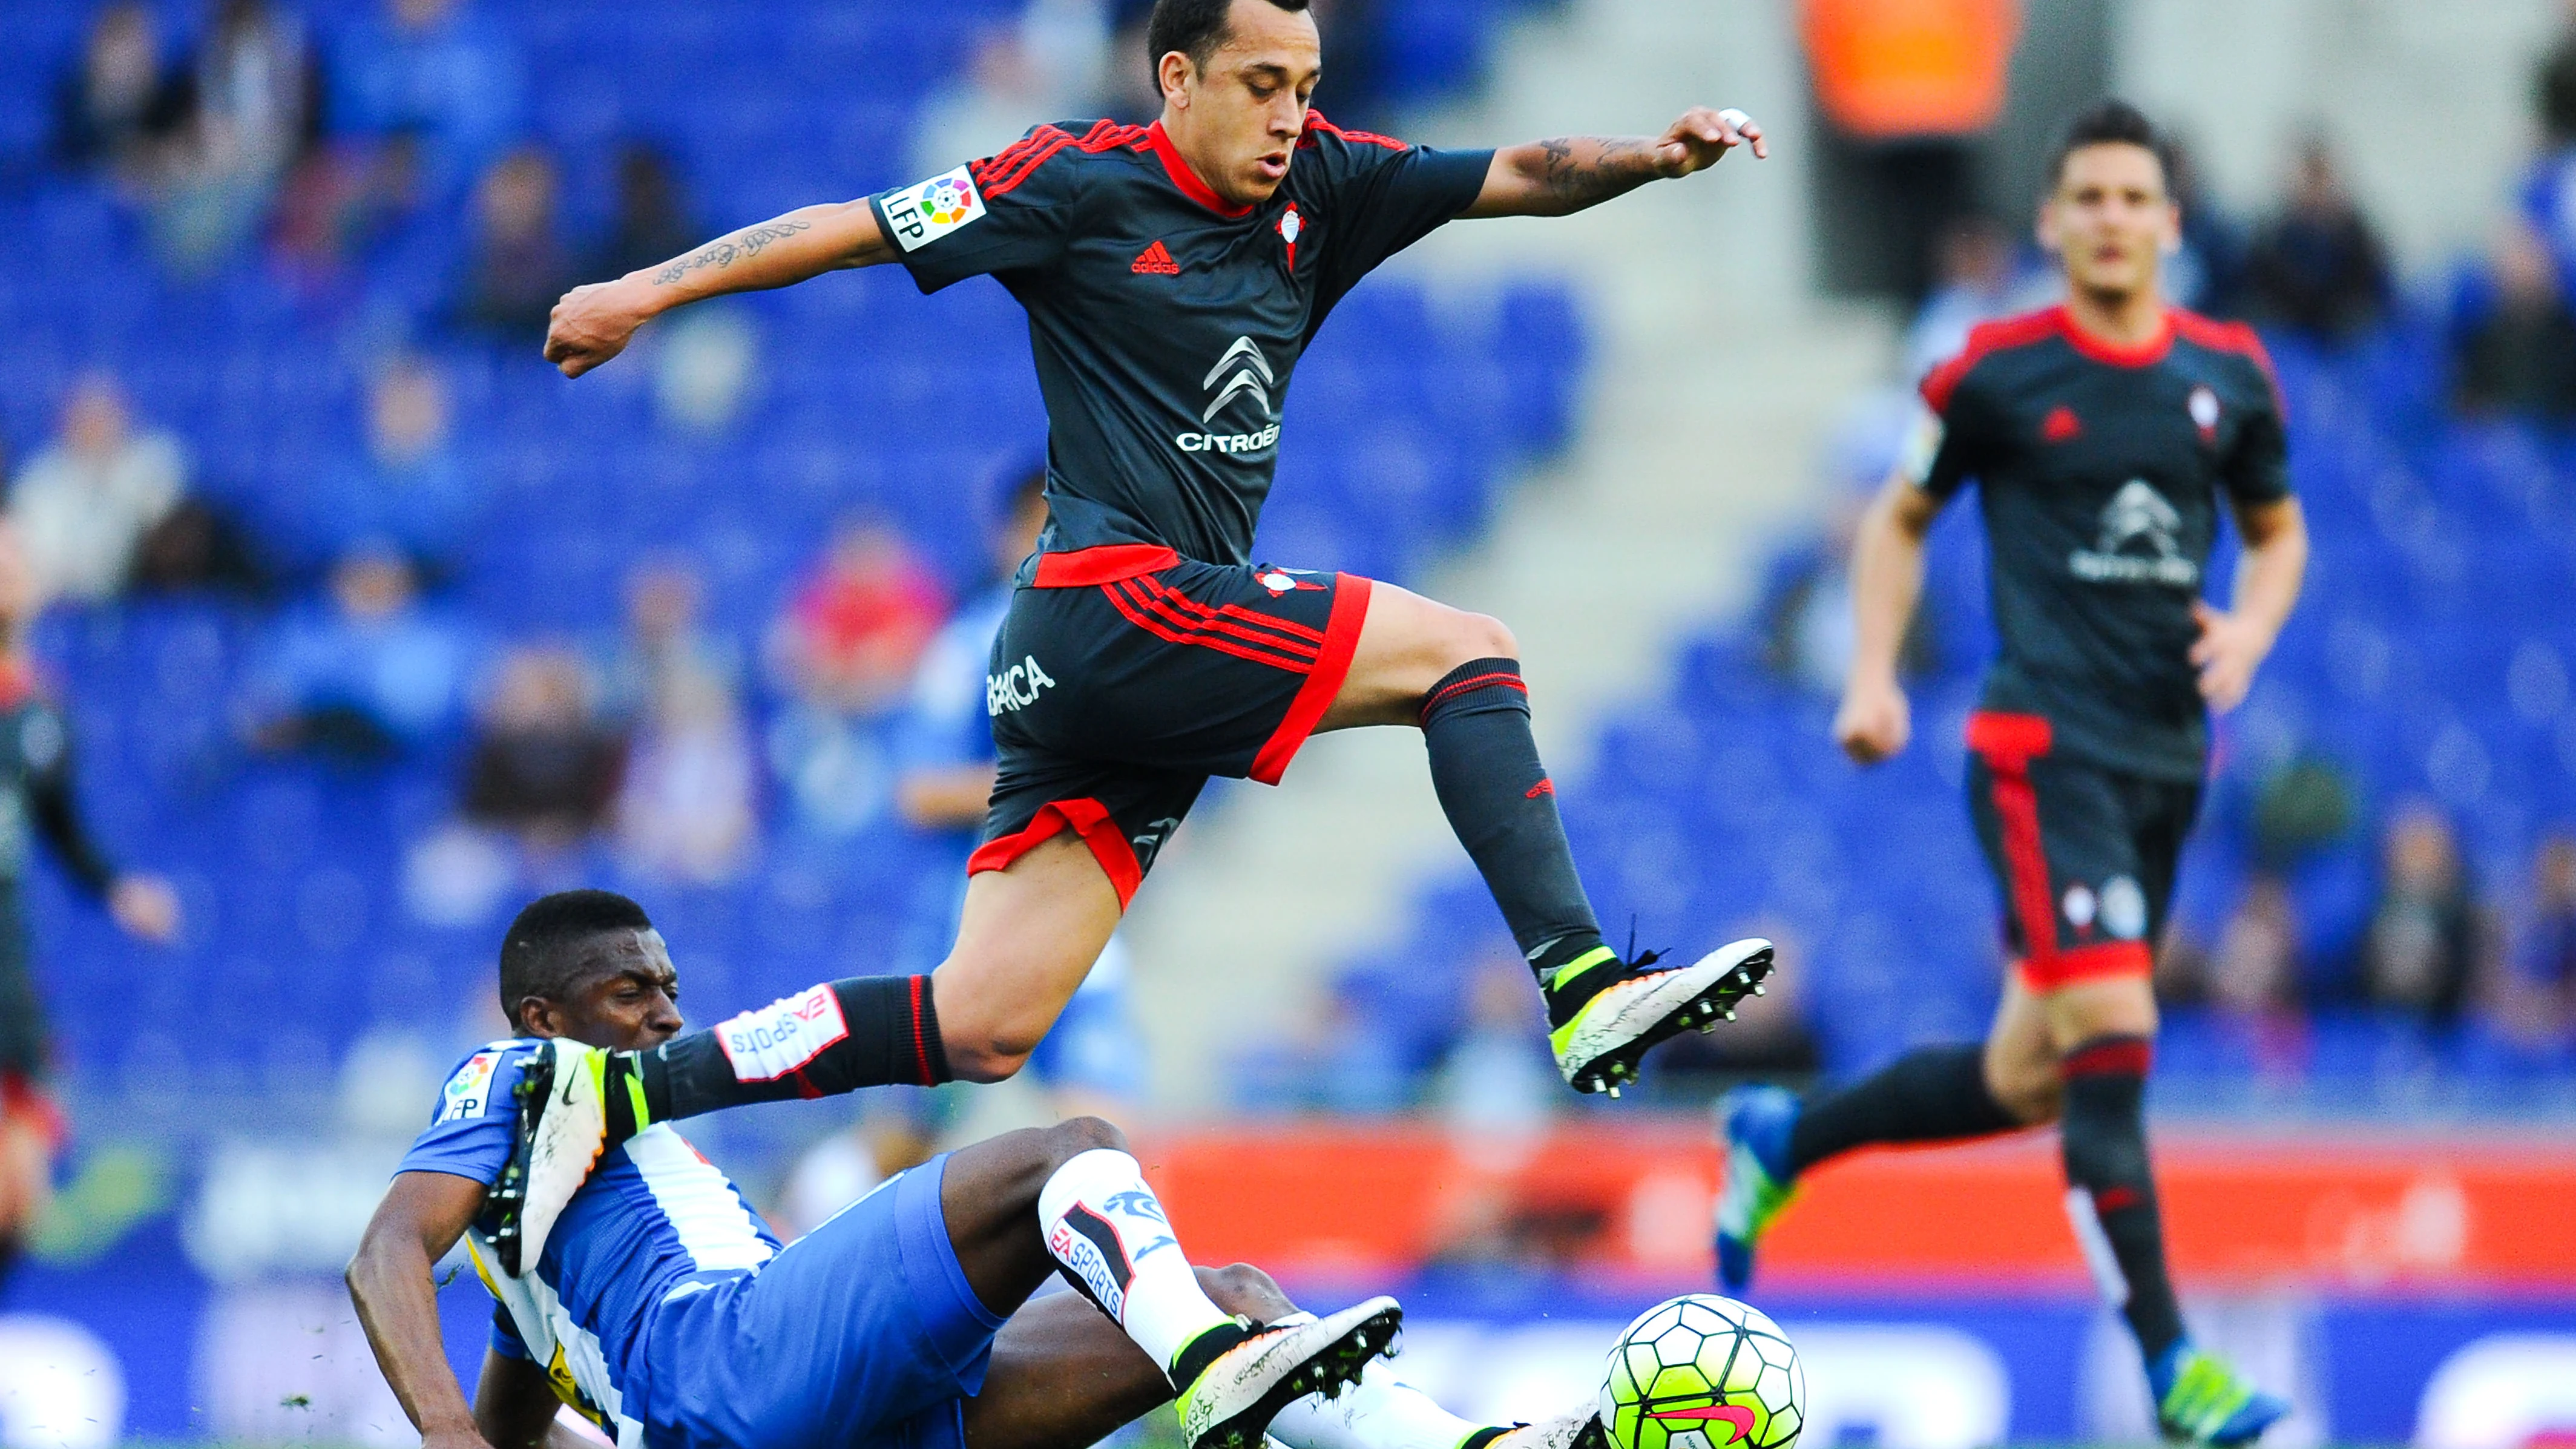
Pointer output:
x,y
1025,940
2033,1032
1406,644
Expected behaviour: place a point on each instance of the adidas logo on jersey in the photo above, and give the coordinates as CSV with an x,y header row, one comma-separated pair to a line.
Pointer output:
x,y
1156,261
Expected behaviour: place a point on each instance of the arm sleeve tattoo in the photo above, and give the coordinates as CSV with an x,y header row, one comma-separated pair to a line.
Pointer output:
x,y
728,250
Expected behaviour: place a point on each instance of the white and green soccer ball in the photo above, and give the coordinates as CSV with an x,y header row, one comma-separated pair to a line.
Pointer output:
x,y
1703,1372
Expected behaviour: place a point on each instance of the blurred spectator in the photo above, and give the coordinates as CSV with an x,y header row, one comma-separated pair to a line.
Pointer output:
x,y
1496,1085
666,644
83,504
847,1166
346,199
704,367
2254,973
373,674
2554,89
1053,62
2318,267
2421,954
1906,88
520,266
542,766
121,102
2208,274
857,626
253,112
435,69
651,224
685,809
2545,961
1806,613
409,488
2515,338
1976,280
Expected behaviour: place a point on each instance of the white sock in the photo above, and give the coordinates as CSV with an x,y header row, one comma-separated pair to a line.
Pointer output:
x,y
1378,1412
1107,1228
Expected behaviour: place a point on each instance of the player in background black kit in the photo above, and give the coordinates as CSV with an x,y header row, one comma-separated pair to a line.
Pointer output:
x,y
36,799
1173,274
2104,436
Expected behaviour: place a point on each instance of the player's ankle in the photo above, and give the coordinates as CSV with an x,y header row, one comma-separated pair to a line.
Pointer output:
x,y
1577,974
1207,1348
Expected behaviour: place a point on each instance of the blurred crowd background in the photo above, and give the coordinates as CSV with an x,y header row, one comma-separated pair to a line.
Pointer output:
x,y
368,626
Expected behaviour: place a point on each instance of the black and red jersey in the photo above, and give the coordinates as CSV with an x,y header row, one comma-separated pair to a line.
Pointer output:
x,y
1167,323
2099,471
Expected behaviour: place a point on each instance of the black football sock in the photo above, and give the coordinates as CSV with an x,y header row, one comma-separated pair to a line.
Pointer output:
x,y
2112,1188
1930,1094
1500,801
886,1034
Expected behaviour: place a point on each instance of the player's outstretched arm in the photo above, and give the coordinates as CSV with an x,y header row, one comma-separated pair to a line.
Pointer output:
x,y
2234,643
594,323
1887,578
1564,175
422,1216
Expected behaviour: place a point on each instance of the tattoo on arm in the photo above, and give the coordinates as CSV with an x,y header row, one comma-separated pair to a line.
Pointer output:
x,y
1580,171
725,253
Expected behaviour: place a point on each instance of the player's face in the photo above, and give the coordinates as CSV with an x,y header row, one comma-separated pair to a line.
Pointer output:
x,y
2110,220
1237,119
626,999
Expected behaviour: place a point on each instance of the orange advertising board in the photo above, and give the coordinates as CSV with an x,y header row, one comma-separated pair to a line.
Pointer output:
x,y
2240,1211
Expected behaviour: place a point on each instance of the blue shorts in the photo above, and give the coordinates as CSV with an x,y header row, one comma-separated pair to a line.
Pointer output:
x,y
863,1334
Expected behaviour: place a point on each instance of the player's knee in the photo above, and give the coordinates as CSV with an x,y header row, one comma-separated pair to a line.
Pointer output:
x,y
1480,636
2031,1091
1242,1288
1075,1136
983,1058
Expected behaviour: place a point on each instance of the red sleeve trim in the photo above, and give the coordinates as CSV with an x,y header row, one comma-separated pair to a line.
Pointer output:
x,y
1323,683
1086,818
1984,340
1000,173
2236,337
1106,563
1316,125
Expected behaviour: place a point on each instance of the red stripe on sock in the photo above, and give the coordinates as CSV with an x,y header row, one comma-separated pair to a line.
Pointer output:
x,y
1496,680
2126,1056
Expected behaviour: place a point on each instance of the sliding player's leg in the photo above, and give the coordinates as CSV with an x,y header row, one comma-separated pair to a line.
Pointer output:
x,y
1070,1201
1062,1374
1456,676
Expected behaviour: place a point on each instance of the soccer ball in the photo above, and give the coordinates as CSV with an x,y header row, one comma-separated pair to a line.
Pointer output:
x,y
1703,1372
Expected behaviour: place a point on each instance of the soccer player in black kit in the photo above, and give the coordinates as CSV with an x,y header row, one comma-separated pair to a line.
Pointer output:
x,y
2104,435
36,802
1173,274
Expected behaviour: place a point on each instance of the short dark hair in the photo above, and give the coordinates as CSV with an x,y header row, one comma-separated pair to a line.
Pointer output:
x,y
2111,122
541,952
1195,28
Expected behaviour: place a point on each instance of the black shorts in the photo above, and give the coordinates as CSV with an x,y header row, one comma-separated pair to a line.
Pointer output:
x,y
2085,855
1124,676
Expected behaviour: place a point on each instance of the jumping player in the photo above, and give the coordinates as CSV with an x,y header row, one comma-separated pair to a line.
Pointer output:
x,y
660,1307
2104,436
1173,274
